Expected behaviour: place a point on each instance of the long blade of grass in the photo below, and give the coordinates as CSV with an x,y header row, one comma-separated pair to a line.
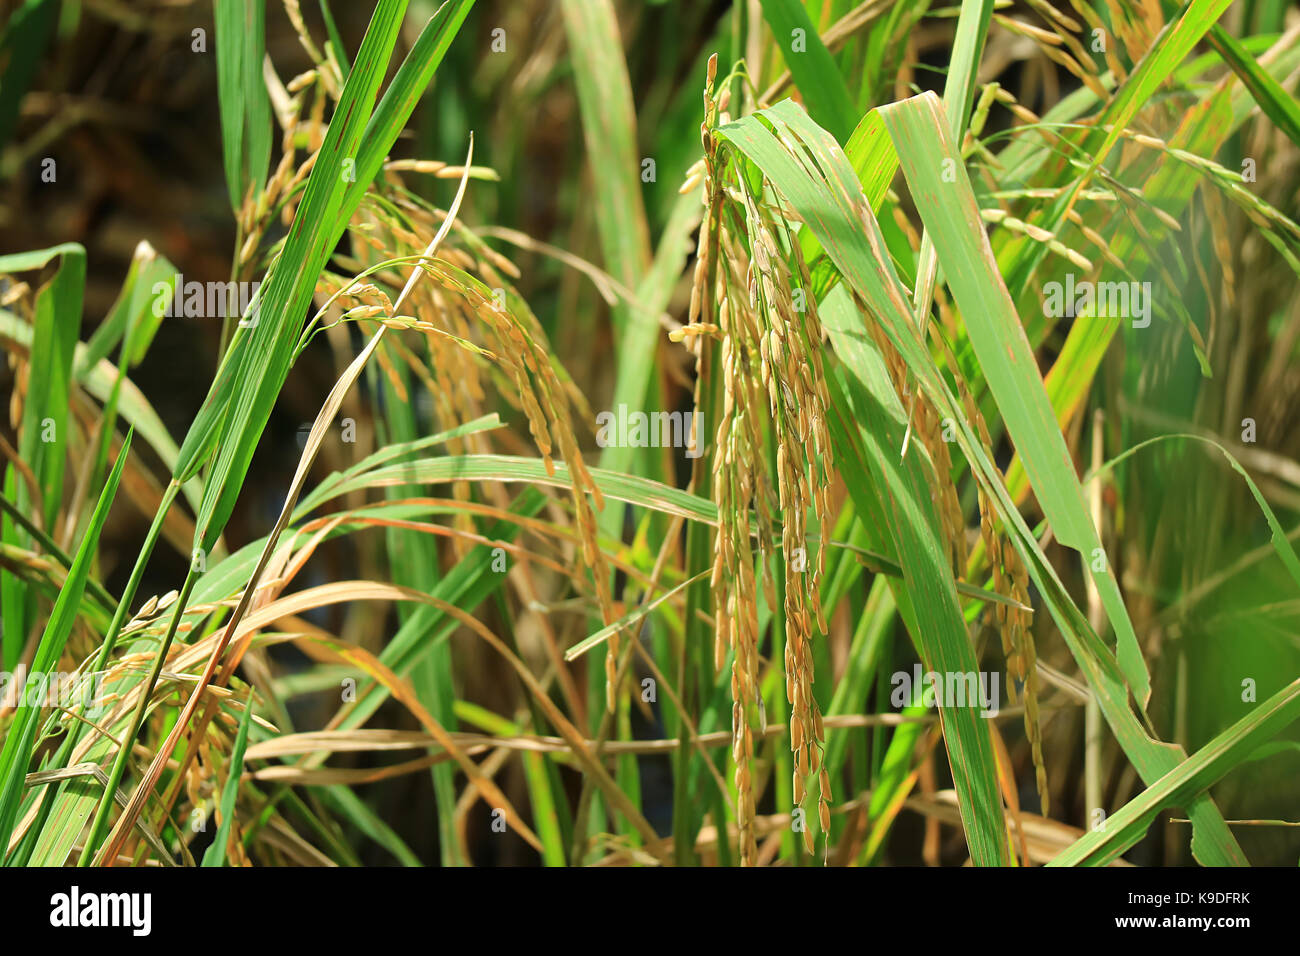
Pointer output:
x,y
403,94
958,96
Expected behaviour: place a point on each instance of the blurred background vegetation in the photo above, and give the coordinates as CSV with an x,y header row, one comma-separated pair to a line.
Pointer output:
x,y
129,112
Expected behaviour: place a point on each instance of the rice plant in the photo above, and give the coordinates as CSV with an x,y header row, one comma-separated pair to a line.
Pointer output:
x,y
579,432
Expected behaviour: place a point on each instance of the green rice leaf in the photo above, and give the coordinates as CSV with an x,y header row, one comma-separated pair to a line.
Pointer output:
x,y
1278,105
20,738
245,104
819,80
216,853
1182,784
43,432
